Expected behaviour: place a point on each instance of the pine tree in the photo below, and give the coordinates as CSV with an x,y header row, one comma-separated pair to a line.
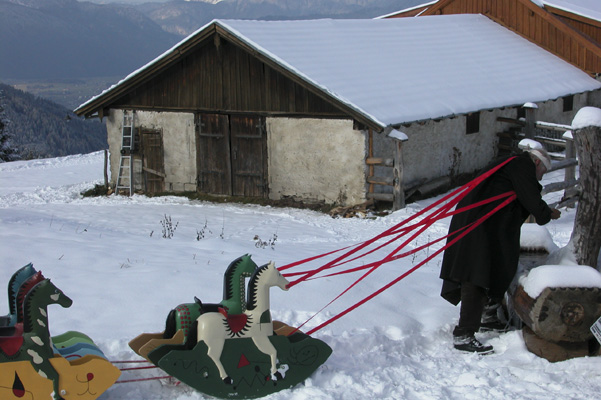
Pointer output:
x,y
7,152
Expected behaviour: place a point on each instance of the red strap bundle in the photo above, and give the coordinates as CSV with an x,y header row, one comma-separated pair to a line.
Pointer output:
x,y
436,211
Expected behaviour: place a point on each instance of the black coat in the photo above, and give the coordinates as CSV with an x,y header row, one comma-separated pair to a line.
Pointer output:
x,y
488,255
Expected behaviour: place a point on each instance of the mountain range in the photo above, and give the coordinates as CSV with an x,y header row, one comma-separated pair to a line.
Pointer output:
x,y
68,50
185,17
51,39
59,39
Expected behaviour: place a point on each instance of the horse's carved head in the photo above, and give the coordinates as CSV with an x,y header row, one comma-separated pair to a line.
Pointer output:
x,y
55,294
276,277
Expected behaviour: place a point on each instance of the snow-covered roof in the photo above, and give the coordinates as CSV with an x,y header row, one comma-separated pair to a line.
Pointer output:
x,y
401,70
585,8
408,69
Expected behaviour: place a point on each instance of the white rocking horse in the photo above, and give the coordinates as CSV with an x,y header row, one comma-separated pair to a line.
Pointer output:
x,y
255,323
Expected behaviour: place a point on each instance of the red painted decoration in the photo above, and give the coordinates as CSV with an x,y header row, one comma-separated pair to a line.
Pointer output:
x,y
243,361
18,388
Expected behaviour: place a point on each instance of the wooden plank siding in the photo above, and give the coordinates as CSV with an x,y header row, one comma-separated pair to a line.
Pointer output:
x,y
220,77
575,39
587,26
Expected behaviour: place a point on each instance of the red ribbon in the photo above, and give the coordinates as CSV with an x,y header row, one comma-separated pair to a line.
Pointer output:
x,y
438,210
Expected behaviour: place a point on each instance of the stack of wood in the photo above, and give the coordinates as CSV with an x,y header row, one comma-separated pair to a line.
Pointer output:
x,y
557,322
358,211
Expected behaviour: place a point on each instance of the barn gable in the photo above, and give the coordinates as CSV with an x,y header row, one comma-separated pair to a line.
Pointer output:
x,y
213,71
220,76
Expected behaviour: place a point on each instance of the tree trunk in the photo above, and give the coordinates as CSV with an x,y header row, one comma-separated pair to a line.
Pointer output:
x,y
586,236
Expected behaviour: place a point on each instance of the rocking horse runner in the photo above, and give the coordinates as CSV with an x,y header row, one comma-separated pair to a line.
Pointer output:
x,y
214,328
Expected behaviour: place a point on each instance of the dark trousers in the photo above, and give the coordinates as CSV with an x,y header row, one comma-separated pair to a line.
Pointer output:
x,y
473,300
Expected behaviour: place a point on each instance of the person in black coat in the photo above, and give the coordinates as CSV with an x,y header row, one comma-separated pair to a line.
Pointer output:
x,y
480,266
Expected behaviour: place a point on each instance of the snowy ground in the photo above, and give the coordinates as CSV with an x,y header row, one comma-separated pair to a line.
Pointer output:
x,y
109,256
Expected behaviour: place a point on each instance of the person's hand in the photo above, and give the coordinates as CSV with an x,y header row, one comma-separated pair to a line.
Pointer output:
x,y
555,213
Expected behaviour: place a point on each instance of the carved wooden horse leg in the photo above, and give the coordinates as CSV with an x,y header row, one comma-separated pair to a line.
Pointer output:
x,y
265,346
214,328
211,331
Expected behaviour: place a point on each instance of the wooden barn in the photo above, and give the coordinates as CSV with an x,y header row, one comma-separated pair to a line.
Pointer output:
x,y
570,29
332,111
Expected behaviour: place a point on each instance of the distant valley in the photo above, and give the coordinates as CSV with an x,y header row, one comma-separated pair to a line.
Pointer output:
x,y
67,51
67,39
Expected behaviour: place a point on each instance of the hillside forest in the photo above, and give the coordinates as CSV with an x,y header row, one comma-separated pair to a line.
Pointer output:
x,y
39,128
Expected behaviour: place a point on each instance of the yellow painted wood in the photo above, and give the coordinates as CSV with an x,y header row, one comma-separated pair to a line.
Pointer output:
x,y
136,343
83,379
154,342
34,386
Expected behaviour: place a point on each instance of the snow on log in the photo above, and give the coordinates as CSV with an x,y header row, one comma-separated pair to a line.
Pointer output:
x,y
559,303
536,238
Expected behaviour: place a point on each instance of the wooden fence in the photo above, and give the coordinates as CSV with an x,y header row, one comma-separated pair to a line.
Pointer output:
x,y
395,180
551,135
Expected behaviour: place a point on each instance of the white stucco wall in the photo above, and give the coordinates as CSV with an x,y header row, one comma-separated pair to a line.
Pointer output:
x,y
316,159
324,160
436,149
442,148
179,145
308,159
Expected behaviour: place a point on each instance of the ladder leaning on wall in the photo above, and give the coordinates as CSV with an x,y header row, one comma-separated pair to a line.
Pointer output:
x,y
125,178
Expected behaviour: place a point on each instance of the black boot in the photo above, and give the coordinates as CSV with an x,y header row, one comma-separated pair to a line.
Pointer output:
x,y
494,326
491,320
470,344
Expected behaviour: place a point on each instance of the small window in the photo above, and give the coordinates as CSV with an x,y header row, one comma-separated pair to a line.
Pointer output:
x,y
472,123
568,103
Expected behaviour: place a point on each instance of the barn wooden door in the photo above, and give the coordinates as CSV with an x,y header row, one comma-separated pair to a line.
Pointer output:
x,y
213,152
232,155
249,156
153,166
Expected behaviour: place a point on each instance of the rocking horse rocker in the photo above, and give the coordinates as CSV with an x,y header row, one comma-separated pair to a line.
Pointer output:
x,y
35,366
233,349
